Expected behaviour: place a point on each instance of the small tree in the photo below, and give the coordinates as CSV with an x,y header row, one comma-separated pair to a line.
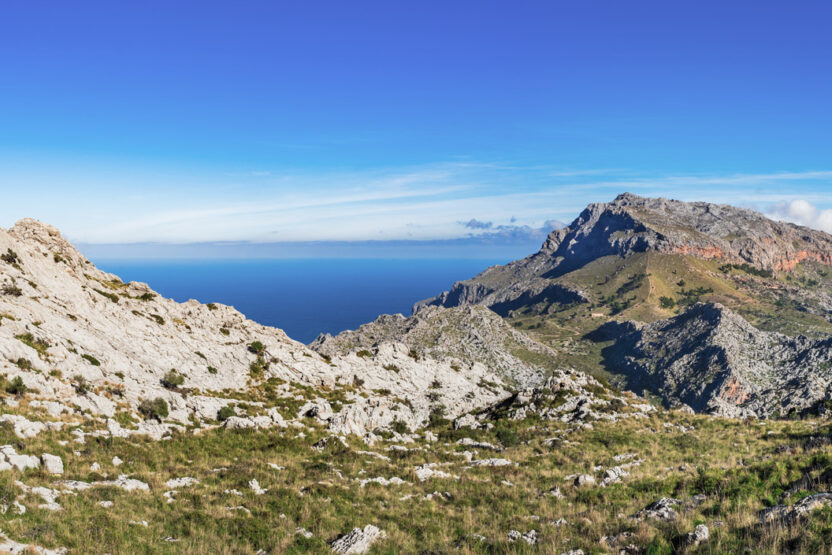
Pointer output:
x,y
172,380
156,409
16,386
225,413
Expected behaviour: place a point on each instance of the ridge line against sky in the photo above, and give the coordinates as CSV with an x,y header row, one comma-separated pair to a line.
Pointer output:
x,y
375,122
486,203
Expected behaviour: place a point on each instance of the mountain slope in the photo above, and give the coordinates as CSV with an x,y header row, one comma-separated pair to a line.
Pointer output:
x,y
713,360
631,224
463,335
82,337
650,261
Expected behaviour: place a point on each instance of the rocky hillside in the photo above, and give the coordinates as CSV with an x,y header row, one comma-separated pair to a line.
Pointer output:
x,y
82,340
631,224
757,347
463,336
712,360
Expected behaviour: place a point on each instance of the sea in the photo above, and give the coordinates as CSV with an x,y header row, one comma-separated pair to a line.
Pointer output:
x,y
304,297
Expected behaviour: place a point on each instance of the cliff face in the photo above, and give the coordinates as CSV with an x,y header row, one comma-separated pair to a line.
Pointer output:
x,y
631,224
712,360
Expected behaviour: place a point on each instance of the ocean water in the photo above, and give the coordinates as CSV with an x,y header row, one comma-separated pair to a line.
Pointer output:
x,y
303,297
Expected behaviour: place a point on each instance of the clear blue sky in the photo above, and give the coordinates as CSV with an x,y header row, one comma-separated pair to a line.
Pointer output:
x,y
298,121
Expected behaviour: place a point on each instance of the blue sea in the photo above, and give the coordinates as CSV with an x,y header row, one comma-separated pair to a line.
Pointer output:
x,y
303,297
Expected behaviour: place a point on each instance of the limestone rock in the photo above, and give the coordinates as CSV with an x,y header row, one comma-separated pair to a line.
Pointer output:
x,y
52,464
358,540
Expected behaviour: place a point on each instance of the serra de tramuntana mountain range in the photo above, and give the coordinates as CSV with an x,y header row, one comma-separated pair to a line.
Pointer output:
x,y
641,310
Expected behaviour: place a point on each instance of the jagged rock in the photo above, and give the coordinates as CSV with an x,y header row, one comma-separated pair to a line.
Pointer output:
x,y
123,481
428,471
358,540
52,464
394,481
16,548
613,475
789,514
711,359
529,537
468,442
459,337
186,481
23,427
663,509
466,421
700,534
492,462
318,409
584,480
10,459
254,486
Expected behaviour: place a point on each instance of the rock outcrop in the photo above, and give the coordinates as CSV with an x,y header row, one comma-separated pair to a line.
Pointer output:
x,y
462,337
712,360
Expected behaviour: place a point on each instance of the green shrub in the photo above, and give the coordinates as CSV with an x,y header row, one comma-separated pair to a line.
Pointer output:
x,y
57,258
24,364
392,368
256,347
12,290
91,359
667,302
40,345
80,384
225,413
172,380
364,353
399,427
507,437
16,386
212,370
112,296
156,409
10,257
225,331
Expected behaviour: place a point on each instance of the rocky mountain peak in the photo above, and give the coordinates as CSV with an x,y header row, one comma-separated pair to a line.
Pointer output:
x,y
631,224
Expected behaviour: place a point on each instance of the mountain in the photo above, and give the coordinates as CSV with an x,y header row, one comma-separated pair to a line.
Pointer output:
x,y
463,335
629,225
129,421
650,262
87,341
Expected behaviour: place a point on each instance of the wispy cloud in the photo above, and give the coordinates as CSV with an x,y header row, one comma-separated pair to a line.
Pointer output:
x,y
452,200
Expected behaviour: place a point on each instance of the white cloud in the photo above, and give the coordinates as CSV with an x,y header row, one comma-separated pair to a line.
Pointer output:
x,y
423,202
802,212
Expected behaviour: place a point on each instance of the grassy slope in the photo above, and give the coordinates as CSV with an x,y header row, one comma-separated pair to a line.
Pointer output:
x,y
637,284
741,467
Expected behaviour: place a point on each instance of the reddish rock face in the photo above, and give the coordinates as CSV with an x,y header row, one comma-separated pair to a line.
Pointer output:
x,y
789,264
734,393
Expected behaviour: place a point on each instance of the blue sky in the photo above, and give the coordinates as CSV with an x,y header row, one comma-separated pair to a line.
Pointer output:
x,y
180,122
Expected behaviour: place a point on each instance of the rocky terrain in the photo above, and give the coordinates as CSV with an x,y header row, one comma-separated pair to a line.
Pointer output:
x,y
713,307
712,360
463,336
631,224
655,380
87,342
